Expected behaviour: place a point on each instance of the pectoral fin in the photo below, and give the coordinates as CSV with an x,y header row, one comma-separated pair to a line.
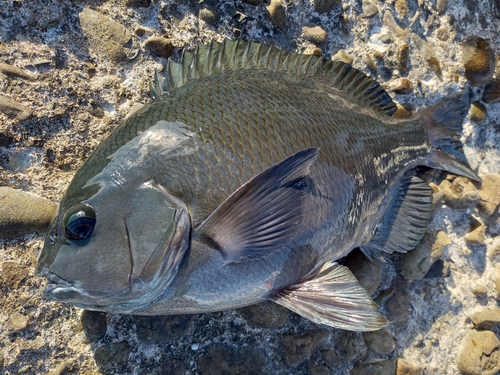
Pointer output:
x,y
334,297
263,214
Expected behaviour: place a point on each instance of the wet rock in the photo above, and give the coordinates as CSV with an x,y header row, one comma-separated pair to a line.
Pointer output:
x,y
161,329
476,235
323,6
325,362
393,28
404,367
267,314
370,8
489,203
401,111
347,345
367,272
13,109
380,341
401,7
106,36
159,46
138,3
342,55
277,14
112,356
460,193
479,354
479,60
209,15
14,72
398,304
13,273
403,58
222,359
403,87
441,6
94,325
299,347
316,34
414,264
478,112
385,367
6,138
491,93
253,2
18,321
22,213
486,318
442,34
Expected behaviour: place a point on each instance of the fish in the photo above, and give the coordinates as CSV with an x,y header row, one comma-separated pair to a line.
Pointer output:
x,y
246,178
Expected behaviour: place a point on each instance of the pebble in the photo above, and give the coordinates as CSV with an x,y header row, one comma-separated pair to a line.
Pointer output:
x,y
277,14
13,273
316,34
478,112
401,7
18,321
442,34
323,6
479,60
414,264
112,357
370,8
6,138
348,345
159,46
253,2
161,329
368,273
476,236
325,362
22,213
267,315
13,109
479,354
342,55
393,28
401,111
479,289
222,359
380,342
403,367
106,36
94,325
209,15
491,93
398,304
403,87
489,203
298,348
459,193
383,367
441,6
486,318
403,58
14,72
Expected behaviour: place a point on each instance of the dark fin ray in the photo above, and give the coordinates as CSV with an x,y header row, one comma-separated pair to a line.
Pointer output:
x,y
334,297
405,220
443,122
238,54
262,215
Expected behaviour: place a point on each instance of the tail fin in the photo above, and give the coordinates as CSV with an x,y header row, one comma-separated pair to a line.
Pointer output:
x,y
443,122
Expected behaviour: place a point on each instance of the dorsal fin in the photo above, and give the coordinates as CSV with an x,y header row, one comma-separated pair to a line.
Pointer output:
x,y
238,54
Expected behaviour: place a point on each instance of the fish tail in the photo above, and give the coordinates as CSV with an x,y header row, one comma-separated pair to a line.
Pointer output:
x,y
443,123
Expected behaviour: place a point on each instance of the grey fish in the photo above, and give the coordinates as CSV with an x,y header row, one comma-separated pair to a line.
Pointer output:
x,y
247,177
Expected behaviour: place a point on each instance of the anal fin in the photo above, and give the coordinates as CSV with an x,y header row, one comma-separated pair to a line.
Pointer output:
x,y
334,297
405,220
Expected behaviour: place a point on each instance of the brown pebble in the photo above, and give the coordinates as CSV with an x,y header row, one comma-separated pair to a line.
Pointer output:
x,y
404,87
277,14
442,34
491,92
403,57
316,34
14,109
459,194
479,289
343,56
370,8
478,112
13,273
406,368
479,353
487,318
401,7
401,112
14,72
159,46
441,6
18,321
209,15
479,60
476,236
394,28
489,204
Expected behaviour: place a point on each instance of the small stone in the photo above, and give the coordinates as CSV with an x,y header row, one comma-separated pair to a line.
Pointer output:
x,y
460,193
489,203
138,3
323,6
381,341
348,345
141,31
403,87
316,34
22,213
209,15
60,369
398,304
401,111
384,367
479,289
14,72
491,93
13,109
267,315
159,46
441,6
299,347
277,14
161,329
479,60
342,55
368,273
487,318
393,28
112,357
253,2
478,112
493,252
370,8
401,7
442,34
476,236
18,321
94,325
403,58
13,273
324,362
479,354
222,359
404,367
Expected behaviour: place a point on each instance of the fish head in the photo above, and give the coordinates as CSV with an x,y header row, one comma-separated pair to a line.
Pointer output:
x,y
117,250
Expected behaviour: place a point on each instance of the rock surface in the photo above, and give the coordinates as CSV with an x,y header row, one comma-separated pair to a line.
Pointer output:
x,y
480,354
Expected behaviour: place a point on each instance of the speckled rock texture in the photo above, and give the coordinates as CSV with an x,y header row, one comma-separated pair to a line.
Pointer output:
x,y
70,71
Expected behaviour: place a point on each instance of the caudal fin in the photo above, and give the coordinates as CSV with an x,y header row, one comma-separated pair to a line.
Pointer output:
x,y
443,122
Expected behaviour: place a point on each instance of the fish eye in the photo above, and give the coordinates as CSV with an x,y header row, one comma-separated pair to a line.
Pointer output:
x,y
78,222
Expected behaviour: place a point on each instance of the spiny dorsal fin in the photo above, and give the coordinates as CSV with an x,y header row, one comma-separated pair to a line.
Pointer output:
x,y
238,54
